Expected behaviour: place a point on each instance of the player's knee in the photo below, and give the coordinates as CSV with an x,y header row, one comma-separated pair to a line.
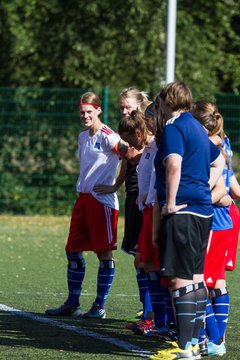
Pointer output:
x,y
106,255
75,260
220,283
107,264
219,292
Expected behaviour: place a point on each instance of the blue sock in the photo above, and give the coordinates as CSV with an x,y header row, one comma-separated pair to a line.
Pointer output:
x,y
143,286
211,324
75,276
202,335
170,315
221,301
105,278
156,291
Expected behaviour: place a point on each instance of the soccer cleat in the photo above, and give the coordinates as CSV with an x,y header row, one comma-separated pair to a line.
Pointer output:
x,y
65,310
95,313
141,329
174,353
130,325
203,346
154,331
214,349
196,351
169,335
134,318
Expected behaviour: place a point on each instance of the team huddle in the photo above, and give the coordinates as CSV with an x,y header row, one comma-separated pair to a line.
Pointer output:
x,y
181,222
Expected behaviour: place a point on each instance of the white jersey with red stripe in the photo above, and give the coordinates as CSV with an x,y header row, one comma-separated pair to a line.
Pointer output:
x,y
146,175
98,163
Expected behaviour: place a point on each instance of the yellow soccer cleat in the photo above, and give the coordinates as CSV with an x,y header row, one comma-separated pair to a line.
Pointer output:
x,y
174,353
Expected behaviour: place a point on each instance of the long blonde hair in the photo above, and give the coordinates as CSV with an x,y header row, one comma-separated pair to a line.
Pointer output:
x,y
206,112
134,93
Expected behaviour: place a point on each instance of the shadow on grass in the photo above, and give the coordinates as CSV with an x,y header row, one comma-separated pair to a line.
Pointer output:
x,y
107,336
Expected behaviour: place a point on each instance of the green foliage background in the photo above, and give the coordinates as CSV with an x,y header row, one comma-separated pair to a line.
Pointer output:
x,y
38,146
38,149
51,51
117,43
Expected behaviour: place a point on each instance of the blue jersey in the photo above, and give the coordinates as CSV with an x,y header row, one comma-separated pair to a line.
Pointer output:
x,y
222,219
185,136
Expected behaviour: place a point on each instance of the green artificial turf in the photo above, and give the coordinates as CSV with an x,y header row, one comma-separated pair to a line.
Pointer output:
x,y
33,278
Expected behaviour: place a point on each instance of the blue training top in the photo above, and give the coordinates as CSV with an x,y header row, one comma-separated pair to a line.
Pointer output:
x,y
185,136
222,219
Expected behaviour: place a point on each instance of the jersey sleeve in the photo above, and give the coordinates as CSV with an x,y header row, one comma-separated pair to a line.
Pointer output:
x,y
172,141
214,152
113,140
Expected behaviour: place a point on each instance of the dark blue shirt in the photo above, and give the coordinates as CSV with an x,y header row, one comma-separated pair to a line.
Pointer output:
x,y
185,136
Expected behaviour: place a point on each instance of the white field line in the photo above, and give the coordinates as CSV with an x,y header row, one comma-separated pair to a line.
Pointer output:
x,y
83,332
82,294
64,294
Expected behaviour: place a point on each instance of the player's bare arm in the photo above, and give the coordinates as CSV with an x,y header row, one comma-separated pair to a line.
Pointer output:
x,y
216,170
127,153
173,173
219,192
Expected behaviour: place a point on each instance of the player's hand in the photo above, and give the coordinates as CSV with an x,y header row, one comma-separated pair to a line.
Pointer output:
x,y
226,200
144,200
168,210
104,189
133,155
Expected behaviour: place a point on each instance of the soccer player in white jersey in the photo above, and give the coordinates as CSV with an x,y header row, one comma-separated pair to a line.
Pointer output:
x,y
94,219
131,99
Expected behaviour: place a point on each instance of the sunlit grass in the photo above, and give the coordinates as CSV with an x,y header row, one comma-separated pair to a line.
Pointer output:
x,y
33,278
